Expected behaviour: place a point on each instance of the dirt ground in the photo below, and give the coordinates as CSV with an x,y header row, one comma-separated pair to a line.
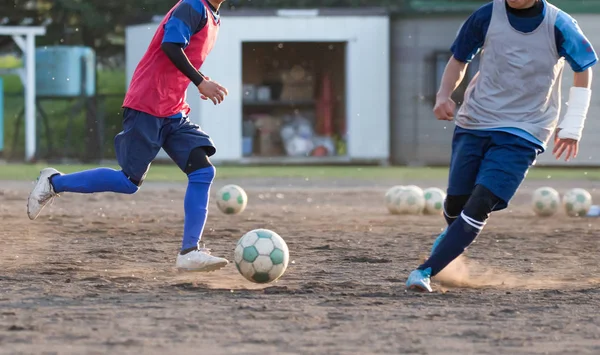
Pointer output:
x,y
95,275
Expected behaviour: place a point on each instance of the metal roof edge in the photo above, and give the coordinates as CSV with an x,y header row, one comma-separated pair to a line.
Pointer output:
x,y
308,12
436,7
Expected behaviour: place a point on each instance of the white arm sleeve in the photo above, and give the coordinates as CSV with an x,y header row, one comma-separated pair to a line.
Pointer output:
x,y
571,127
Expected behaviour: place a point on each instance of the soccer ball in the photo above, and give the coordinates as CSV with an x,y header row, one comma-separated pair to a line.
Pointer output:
x,y
232,199
434,200
545,201
409,200
390,196
577,202
261,256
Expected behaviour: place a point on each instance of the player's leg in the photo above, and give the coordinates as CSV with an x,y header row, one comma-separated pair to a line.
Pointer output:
x,y
468,150
467,153
190,148
503,169
201,173
453,205
463,231
136,146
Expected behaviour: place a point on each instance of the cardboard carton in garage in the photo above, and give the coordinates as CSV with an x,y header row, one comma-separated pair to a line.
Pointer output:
x,y
298,85
268,137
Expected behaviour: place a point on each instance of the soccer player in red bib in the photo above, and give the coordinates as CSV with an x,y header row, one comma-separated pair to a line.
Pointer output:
x,y
156,116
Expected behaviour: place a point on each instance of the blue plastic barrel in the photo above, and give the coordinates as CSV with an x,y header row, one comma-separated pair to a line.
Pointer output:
x,y
59,71
1,115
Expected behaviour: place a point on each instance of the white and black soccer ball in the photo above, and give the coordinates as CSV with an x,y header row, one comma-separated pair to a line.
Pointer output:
x,y
577,202
545,201
389,198
409,200
434,201
261,256
232,199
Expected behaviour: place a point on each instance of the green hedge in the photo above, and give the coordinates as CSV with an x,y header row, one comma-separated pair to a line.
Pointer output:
x,y
59,111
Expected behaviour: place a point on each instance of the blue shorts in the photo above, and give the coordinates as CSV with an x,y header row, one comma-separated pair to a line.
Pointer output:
x,y
143,135
496,160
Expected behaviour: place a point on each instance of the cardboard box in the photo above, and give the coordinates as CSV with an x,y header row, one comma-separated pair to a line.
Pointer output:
x,y
298,92
298,85
268,138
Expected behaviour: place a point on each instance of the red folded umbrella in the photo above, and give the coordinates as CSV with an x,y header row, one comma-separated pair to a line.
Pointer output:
x,y
325,108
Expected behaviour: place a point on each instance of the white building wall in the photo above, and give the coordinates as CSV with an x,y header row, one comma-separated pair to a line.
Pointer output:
x,y
417,137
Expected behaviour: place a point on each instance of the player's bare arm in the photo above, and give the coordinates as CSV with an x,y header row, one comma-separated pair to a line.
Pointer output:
x,y
579,53
212,90
467,44
207,88
205,77
453,75
568,135
178,34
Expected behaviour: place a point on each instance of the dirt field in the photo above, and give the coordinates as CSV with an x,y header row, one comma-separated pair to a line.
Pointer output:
x,y
95,275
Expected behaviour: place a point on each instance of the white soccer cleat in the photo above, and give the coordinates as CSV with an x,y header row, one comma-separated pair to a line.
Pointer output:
x,y
200,260
42,193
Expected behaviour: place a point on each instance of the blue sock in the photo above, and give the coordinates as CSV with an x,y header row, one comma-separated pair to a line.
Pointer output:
x,y
449,221
94,180
195,206
459,235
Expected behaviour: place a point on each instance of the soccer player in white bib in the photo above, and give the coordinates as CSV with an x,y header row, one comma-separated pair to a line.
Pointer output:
x,y
510,112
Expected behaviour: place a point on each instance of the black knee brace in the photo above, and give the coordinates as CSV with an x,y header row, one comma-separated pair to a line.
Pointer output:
x,y
454,204
137,183
481,203
198,159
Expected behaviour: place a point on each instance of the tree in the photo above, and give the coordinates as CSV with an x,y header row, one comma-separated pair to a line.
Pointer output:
x,y
99,24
